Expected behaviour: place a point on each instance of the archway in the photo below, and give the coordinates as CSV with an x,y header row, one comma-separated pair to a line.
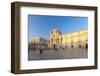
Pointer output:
x,y
54,46
79,46
71,46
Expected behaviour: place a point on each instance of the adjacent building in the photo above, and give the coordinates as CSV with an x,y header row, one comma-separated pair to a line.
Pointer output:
x,y
39,43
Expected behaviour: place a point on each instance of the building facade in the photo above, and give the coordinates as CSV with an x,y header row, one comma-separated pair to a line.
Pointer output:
x,y
39,43
58,40
39,40
55,38
71,40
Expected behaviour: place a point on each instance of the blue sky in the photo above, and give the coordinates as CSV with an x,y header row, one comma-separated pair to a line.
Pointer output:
x,y
41,25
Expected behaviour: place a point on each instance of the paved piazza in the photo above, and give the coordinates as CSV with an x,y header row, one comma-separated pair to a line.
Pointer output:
x,y
71,53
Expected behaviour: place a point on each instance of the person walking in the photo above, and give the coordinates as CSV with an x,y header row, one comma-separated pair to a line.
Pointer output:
x,y
41,51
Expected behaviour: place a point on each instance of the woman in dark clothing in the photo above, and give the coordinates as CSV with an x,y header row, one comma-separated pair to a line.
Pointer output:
x,y
41,51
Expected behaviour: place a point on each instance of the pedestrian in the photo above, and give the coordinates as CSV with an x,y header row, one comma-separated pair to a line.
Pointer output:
x,y
41,51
